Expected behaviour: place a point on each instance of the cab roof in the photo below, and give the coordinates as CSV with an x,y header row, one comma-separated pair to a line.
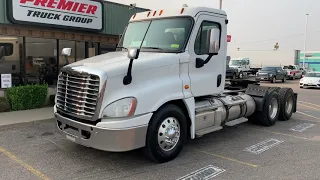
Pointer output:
x,y
175,12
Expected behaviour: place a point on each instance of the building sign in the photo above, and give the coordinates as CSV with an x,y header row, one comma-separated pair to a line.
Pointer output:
x,y
6,81
84,14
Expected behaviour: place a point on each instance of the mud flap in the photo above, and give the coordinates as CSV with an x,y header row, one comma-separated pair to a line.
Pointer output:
x,y
295,102
259,94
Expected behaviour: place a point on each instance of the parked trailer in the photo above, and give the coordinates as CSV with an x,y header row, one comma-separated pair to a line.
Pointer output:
x,y
170,87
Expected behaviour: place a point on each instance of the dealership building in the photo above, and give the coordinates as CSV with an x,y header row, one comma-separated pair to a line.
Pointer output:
x,y
33,33
311,60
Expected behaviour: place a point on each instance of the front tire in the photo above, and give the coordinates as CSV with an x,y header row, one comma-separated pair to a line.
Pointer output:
x,y
273,80
167,133
286,96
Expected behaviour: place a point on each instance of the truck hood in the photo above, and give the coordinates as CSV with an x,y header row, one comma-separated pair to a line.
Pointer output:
x,y
116,63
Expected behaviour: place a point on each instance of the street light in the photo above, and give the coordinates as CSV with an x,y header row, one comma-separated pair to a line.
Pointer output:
x,y
220,4
305,40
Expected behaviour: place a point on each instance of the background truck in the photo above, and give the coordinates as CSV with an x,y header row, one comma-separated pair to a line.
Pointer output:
x,y
166,85
231,73
293,71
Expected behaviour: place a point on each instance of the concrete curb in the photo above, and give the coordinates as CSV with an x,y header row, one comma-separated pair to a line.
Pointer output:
x,y
16,117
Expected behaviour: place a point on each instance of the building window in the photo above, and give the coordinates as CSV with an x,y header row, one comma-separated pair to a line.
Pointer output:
x,y
41,61
80,51
11,58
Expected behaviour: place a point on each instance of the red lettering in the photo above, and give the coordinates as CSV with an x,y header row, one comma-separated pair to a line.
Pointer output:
x,y
75,7
41,2
92,9
24,1
82,8
51,3
65,5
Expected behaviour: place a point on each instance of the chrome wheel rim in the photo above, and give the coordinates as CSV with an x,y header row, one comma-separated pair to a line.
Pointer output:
x,y
273,108
169,134
289,104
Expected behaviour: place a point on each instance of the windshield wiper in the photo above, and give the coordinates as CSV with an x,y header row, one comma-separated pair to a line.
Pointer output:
x,y
148,47
122,47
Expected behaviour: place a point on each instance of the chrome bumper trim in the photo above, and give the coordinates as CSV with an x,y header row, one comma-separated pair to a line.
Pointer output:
x,y
103,139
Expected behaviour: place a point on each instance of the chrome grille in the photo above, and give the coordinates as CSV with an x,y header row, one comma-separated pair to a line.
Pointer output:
x,y
77,94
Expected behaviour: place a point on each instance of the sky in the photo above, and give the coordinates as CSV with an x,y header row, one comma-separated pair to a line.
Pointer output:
x,y
256,26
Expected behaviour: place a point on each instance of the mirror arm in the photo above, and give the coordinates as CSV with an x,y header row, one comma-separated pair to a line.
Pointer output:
x,y
200,62
128,78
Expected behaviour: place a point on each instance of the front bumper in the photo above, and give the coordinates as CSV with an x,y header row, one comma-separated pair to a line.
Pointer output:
x,y
113,140
263,78
309,85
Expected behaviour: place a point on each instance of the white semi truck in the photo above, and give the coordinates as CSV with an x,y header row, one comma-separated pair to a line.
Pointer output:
x,y
164,85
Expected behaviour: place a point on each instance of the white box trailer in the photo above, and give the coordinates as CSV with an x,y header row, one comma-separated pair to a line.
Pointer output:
x,y
164,85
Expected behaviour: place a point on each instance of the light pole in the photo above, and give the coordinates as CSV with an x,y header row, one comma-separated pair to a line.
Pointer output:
x,y
220,4
305,40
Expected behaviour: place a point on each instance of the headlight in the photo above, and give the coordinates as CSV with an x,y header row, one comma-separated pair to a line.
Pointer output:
x,y
121,108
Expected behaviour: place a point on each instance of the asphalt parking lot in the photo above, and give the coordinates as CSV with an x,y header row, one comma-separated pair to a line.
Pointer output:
x,y
288,150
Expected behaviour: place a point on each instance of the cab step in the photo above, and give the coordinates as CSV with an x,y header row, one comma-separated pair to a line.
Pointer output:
x,y
207,130
236,121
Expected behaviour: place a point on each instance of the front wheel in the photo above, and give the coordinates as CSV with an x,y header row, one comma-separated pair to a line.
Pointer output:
x,y
241,75
284,79
273,80
167,133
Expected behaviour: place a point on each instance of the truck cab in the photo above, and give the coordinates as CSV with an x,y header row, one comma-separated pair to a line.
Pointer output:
x,y
242,65
164,85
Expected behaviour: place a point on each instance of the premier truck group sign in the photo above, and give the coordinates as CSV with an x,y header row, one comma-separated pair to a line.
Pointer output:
x,y
84,14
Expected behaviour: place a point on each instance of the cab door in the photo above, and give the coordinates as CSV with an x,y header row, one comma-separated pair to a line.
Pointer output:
x,y
209,79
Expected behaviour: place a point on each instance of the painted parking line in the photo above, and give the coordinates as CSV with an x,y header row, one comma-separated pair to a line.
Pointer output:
x,y
279,133
205,173
263,146
228,158
311,107
308,115
309,103
23,164
302,127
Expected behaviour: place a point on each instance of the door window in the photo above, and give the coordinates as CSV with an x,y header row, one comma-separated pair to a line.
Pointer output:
x,y
201,46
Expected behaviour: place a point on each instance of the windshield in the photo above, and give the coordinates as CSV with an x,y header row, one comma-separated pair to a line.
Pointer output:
x,y
288,67
235,62
268,69
164,34
313,75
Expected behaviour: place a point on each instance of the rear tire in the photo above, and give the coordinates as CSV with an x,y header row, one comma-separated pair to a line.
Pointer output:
x,y
168,123
286,96
270,110
284,79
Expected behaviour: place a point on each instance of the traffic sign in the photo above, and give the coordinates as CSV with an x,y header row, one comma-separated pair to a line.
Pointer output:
x,y
228,38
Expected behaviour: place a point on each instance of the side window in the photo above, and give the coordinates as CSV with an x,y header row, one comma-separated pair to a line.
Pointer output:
x,y
200,46
6,49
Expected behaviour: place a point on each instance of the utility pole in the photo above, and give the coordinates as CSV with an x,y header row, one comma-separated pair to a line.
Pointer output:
x,y
220,4
305,41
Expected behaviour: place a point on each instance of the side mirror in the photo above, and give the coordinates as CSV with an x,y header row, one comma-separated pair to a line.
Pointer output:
x,y
66,52
213,40
133,53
